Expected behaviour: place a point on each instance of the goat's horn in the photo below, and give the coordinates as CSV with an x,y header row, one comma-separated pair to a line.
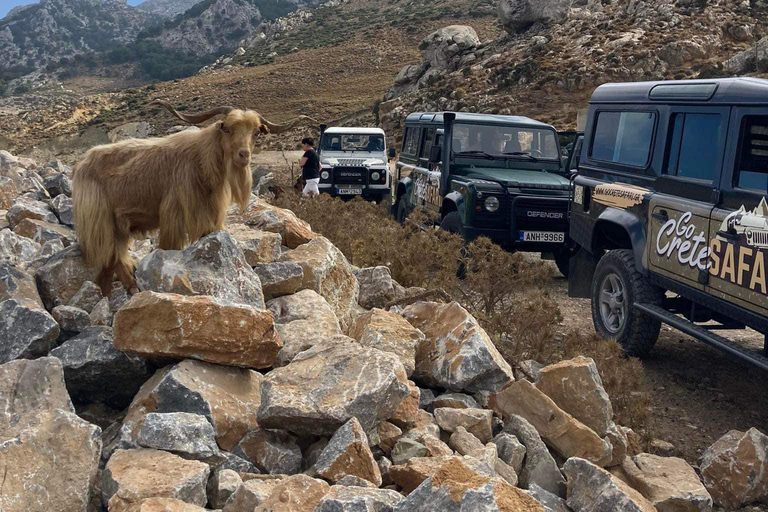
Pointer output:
x,y
193,118
280,128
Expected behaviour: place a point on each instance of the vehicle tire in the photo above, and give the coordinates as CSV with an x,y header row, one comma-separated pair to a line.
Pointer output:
x,y
616,286
402,211
452,224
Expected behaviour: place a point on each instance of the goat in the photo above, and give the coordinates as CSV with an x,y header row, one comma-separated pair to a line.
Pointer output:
x,y
181,184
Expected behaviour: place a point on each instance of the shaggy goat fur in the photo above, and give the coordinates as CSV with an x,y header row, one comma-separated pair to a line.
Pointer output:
x,y
181,184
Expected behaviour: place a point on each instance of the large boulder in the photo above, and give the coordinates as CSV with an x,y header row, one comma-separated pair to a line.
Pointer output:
x,y
279,278
327,385
156,505
27,331
228,398
593,488
62,276
327,272
58,184
41,232
303,320
29,209
347,453
16,249
265,217
257,246
18,285
297,493
342,498
96,372
376,287
272,451
517,15
441,46
539,467
62,207
457,353
198,270
389,332
475,421
167,325
735,468
190,436
252,493
417,470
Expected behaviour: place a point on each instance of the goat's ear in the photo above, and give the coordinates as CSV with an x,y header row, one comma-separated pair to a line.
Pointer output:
x,y
222,127
264,129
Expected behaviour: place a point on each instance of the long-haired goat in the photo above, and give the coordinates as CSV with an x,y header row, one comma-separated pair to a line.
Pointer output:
x,y
181,184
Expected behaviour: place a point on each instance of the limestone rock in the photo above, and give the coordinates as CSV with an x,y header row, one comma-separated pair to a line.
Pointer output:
x,y
251,494
425,424
406,449
464,442
86,297
327,385
517,15
297,493
27,331
18,285
455,401
412,474
358,499
58,184
133,475
348,453
16,249
188,435
735,468
355,481
62,207
457,353
174,326
257,246
376,288
671,484
42,232
499,496
303,320
592,488
566,435
72,321
510,450
29,209
96,372
539,467
575,386
405,415
549,501
388,434
475,421
62,276
327,272
228,397
137,130
49,464
221,486
435,447
504,471
619,445
279,278
101,314
272,451
441,46
198,270
264,216
389,332
156,505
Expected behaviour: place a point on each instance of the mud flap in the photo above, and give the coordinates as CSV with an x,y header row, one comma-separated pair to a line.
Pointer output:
x,y
582,267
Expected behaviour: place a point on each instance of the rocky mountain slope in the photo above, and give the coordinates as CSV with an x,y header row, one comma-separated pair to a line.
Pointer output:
x,y
166,8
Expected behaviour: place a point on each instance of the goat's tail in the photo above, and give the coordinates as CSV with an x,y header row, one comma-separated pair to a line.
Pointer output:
x,y
94,224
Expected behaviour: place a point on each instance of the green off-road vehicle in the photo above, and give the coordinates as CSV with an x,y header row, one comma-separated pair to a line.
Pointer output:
x,y
669,207
495,176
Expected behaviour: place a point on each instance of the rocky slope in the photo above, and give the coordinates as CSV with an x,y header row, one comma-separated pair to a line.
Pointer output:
x,y
166,8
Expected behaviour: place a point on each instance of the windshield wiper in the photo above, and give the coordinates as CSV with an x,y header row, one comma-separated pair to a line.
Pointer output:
x,y
522,153
476,153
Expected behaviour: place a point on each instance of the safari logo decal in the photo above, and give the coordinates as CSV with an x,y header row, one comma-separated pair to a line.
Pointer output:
x,y
681,240
619,195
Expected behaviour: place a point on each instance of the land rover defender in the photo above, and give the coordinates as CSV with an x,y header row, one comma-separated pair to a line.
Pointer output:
x,y
669,209
489,175
354,162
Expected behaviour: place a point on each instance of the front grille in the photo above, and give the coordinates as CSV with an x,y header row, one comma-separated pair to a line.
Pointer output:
x,y
351,162
350,175
541,214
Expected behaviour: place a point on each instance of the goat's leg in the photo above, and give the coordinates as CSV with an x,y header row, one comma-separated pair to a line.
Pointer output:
x,y
104,280
172,225
124,264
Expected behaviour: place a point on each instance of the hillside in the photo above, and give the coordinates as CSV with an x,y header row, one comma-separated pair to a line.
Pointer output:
x,y
166,8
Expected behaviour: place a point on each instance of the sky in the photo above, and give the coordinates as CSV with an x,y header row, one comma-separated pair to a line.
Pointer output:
x,y
7,5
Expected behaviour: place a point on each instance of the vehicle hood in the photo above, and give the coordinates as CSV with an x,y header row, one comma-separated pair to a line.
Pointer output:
x,y
371,158
520,178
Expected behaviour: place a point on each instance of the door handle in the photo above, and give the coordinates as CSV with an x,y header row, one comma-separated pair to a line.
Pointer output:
x,y
662,216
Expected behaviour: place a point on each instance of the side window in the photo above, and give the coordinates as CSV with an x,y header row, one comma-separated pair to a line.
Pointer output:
x,y
411,141
623,137
426,144
693,147
752,164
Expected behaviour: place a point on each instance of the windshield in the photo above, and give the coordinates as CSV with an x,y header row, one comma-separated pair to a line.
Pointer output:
x,y
351,142
509,141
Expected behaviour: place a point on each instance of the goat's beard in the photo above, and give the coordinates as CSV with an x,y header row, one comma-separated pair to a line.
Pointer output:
x,y
240,183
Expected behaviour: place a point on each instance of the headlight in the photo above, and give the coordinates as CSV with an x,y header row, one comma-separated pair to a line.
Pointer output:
x,y
324,175
492,204
375,176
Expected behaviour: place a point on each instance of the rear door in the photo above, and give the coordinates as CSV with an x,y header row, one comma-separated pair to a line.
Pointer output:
x,y
686,193
426,181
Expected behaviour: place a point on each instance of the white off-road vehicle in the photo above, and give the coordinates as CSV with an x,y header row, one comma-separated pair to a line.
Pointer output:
x,y
354,162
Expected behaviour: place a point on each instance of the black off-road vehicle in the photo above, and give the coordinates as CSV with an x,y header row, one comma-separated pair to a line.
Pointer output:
x,y
669,207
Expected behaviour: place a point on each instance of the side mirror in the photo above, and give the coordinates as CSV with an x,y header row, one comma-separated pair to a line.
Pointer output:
x,y
435,154
391,153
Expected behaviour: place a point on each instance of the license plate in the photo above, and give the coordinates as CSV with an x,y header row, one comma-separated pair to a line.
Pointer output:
x,y
349,191
542,236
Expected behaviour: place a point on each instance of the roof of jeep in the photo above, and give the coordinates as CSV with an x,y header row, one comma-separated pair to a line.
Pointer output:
x,y
465,117
354,130
714,91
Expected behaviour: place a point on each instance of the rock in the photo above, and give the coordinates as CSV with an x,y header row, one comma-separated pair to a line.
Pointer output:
x,y
133,475
441,46
530,370
539,467
744,62
510,450
576,388
71,320
327,385
412,474
406,449
251,494
51,463
619,445
189,436
505,471
41,232
16,249
659,447
384,465
565,434
197,270
389,332
549,501
62,207
26,331
227,397
348,453
157,505
388,436
592,488
358,499
517,15
634,441
29,209
735,468
236,464
499,496
356,481
671,484
376,288
475,421
221,486
62,276
425,425
405,415
137,130
58,184
455,401
257,246
101,314
18,285
464,442
435,447
272,451
86,297
264,216
174,326
297,493
327,272
303,320
279,278
96,372
426,397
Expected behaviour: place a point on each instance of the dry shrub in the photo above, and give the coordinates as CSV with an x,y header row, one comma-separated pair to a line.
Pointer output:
x,y
527,330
